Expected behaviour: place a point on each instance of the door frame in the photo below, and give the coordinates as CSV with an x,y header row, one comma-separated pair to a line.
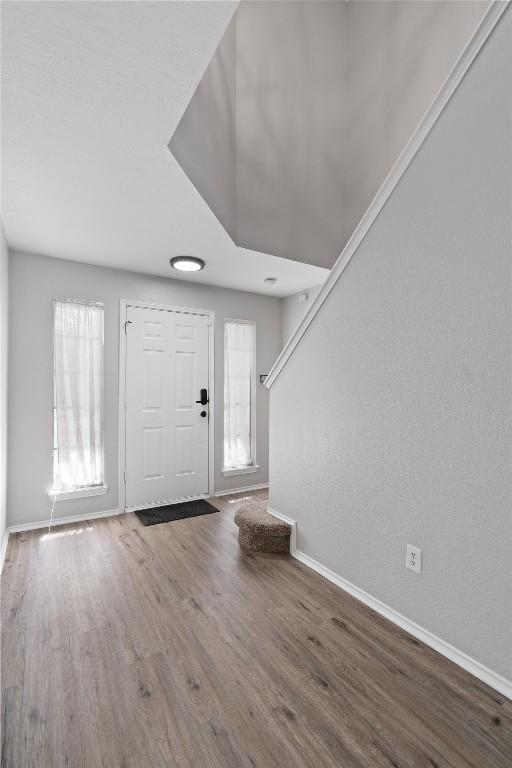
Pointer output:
x,y
210,314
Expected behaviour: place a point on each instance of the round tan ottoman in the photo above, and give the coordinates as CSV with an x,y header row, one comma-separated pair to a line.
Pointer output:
x,y
259,531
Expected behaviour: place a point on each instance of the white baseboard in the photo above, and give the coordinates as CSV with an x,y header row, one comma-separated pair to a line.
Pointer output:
x,y
62,521
245,489
460,658
3,550
110,512
293,528
107,513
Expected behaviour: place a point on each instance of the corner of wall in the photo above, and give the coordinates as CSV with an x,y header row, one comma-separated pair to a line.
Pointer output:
x,y
4,319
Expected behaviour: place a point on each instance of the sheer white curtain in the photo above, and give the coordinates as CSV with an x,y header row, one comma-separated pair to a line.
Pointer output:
x,y
239,339
78,395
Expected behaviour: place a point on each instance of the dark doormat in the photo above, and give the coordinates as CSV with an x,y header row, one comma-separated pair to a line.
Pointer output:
x,y
172,512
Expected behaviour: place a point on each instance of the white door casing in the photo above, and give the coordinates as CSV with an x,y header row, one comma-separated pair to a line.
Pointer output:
x,y
166,438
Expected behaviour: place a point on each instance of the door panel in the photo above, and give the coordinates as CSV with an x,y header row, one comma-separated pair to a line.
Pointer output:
x,y
153,371
166,436
185,445
153,454
185,381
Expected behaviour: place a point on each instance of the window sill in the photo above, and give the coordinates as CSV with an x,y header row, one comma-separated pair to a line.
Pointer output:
x,y
240,470
80,493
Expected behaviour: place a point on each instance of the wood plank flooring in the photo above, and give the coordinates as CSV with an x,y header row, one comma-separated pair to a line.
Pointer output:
x,y
166,646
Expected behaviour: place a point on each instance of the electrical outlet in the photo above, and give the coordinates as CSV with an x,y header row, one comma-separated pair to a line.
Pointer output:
x,y
413,558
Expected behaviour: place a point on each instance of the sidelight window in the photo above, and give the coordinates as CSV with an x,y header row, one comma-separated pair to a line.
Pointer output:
x,y
239,397
78,464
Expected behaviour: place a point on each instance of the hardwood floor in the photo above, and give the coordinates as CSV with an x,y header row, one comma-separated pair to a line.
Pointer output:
x,y
133,647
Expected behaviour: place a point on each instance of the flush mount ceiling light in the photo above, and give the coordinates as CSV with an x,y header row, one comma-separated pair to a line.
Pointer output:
x,y
270,280
187,263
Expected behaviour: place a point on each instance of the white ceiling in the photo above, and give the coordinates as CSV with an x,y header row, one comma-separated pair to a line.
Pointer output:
x,y
91,94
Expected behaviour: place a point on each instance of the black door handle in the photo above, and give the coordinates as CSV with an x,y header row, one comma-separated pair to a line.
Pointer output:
x,y
204,397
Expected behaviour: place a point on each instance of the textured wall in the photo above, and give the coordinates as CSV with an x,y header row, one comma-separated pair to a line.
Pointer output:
x,y
205,143
290,115
294,310
391,423
398,54
34,282
4,296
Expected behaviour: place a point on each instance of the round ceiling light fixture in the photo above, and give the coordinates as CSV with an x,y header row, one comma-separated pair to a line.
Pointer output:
x,y
187,263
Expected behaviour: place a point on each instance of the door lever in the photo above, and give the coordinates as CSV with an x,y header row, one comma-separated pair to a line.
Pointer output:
x,y
204,397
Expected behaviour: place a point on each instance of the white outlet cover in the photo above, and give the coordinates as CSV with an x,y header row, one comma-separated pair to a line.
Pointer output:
x,y
413,558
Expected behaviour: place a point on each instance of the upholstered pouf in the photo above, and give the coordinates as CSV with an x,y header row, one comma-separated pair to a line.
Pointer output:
x,y
259,531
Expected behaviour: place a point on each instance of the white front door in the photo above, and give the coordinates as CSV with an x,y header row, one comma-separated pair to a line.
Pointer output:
x,y
166,429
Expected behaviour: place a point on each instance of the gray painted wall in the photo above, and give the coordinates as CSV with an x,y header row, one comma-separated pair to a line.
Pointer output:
x,y
4,298
294,310
290,116
205,143
34,282
326,95
400,54
403,386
